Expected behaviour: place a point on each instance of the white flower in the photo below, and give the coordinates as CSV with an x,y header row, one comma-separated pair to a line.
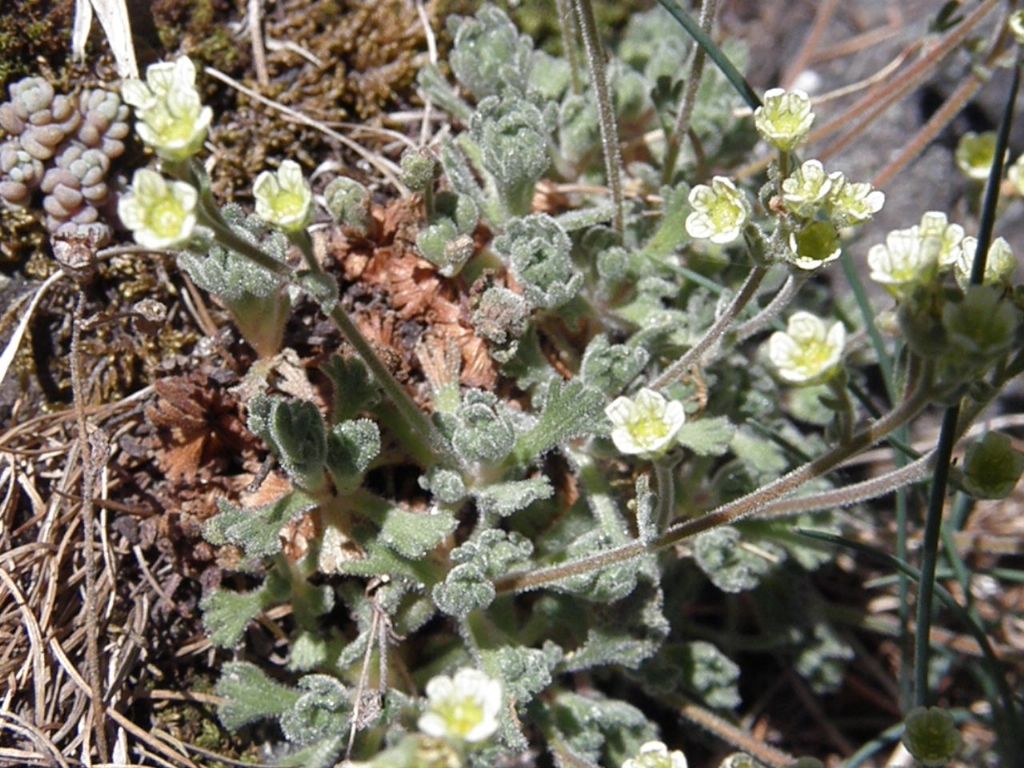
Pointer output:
x,y
645,425
902,260
999,264
940,240
808,187
464,707
806,352
654,754
975,153
853,202
172,118
814,245
719,211
785,118
284,198
160,213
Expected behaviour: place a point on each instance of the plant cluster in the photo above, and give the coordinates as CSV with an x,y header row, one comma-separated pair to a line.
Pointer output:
x,y
61,146
687,408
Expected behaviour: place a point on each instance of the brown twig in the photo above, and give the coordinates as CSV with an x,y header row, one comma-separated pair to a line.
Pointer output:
x,y
89,470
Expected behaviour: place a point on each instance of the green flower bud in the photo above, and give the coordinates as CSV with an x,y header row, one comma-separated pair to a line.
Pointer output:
x,y
982,325
992,467
975,154
349,203
814,245
931,736
420,169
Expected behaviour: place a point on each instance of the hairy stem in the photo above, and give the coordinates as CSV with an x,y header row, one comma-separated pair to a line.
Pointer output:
x,y
682,126
695,355
570,45
774,308
919,381
421,428
605,110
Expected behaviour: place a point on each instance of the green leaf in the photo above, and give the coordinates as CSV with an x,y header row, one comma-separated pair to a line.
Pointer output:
x,y
730,566
484,430
571,409
504,499
822,659
465,588
256,530
625,634
707,437
610,367
413,534
710,675
319,713
351,446
250,695
672,232
297,429
354,390
226,614
594,724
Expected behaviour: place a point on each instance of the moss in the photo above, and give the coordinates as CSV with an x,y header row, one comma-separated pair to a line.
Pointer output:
x,y
39,30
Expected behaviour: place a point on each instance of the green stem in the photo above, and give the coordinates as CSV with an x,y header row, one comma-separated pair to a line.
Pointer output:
x,y
733,75
947,433
664,479
605,111
675,140
421,429
917,397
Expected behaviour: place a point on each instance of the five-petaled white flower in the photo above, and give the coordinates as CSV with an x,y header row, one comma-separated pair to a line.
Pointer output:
x,y
807,188
1000,262
902,260
654,754
719,211
807,352
853,202
284,199
160,213
646,424
785,118
172,118
464,707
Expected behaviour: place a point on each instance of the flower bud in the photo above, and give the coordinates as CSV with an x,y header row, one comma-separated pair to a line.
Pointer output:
x,y
992,467
931,736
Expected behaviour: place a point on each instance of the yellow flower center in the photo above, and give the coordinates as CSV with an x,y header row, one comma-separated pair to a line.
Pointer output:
x,y
165,217
460,715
